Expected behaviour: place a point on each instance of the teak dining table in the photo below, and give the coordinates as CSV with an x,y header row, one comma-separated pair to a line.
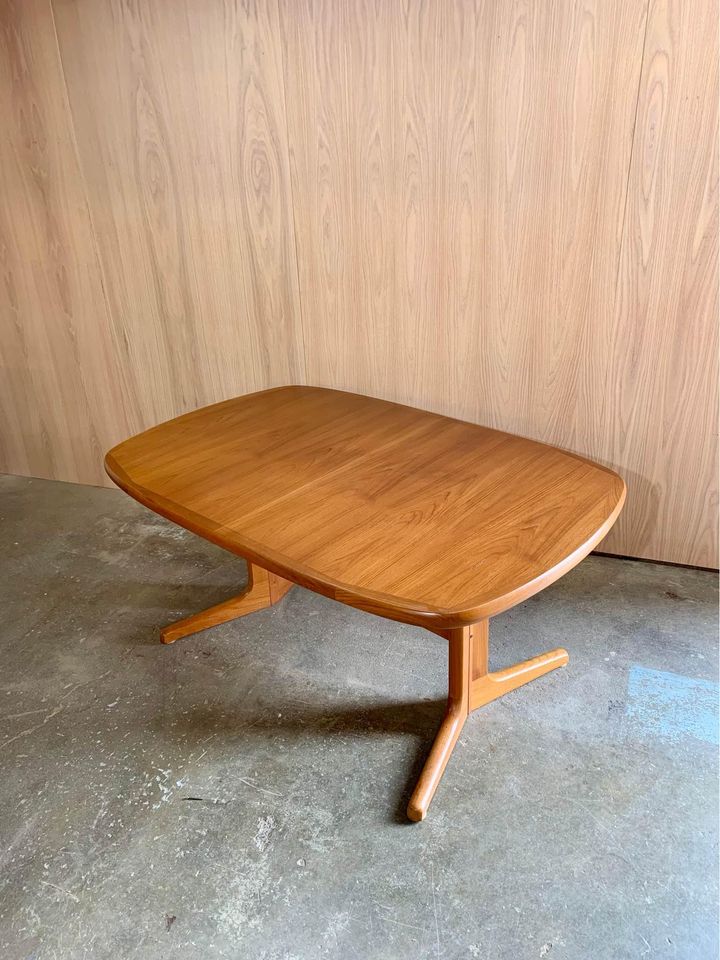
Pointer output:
x,y
403,513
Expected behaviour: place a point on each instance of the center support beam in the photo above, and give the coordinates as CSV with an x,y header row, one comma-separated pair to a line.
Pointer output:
x,y
471,685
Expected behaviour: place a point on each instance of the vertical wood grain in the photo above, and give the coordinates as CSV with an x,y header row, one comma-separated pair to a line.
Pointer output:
x,y
661,393
180,119
315,76
506,212
61,395
370,94
560,119
479,166
497,140
419,332
461,176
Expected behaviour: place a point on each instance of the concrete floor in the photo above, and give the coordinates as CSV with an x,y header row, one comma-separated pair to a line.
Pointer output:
x,y
241,794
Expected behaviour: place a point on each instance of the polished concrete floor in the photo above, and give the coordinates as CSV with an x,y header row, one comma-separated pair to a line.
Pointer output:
x,y
240,794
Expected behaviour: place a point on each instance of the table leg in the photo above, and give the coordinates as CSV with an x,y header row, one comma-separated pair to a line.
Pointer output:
x,y
263,590
458,708
471,685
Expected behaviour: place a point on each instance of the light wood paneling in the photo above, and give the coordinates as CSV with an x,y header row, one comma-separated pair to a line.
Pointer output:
x,y
505,212
462,175
61,400
479,165
316,84
561,104
662,381
180,119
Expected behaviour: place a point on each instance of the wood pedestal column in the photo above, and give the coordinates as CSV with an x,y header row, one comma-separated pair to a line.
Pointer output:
x,y
471,685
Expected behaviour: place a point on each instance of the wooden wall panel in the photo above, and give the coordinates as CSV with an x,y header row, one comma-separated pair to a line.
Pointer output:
x,y
475,187
661,394
315,84
465,213
362,133
61,396
502,211
179,113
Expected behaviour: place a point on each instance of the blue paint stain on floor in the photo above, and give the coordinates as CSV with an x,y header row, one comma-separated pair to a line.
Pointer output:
x,y
671,707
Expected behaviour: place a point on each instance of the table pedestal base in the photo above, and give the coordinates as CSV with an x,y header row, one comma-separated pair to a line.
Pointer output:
x,y
263,590
470,684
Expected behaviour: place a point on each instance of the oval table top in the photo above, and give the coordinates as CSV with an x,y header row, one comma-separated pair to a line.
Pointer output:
x,y
401,512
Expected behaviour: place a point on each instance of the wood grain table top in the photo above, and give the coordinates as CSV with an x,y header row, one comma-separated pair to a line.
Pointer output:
x,y
401,512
